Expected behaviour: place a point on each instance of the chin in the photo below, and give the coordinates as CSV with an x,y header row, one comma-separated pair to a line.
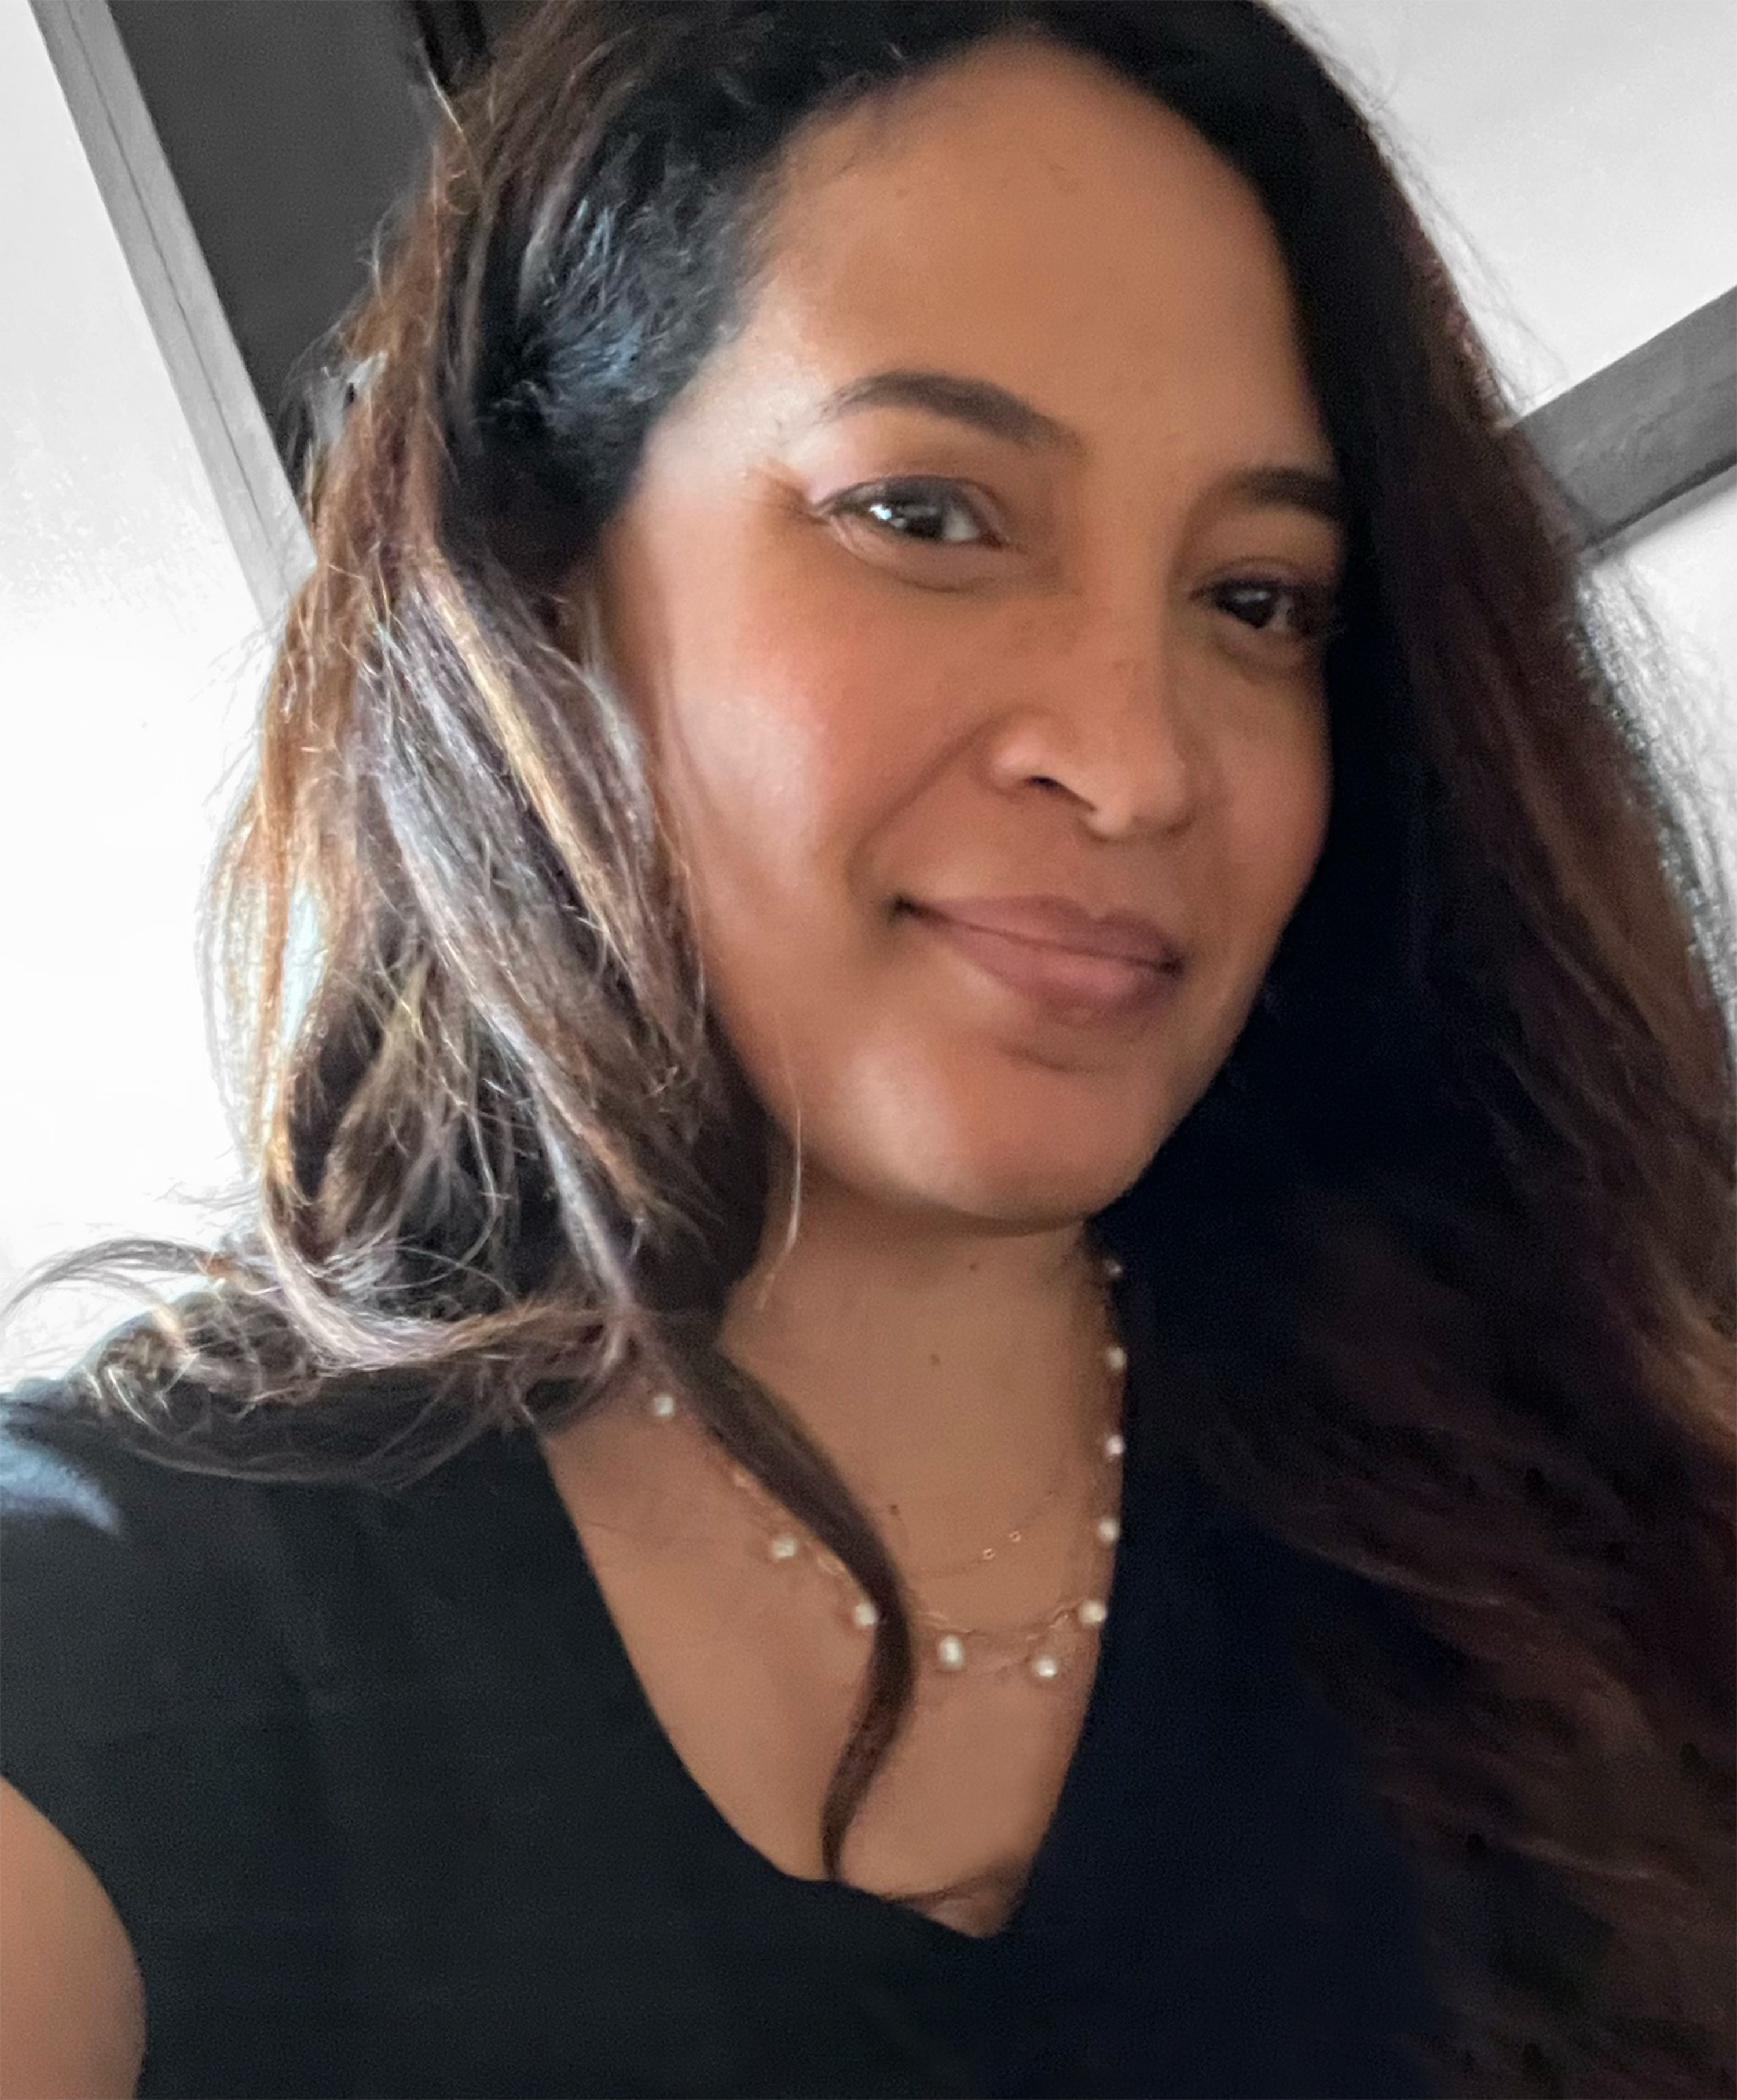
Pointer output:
x,y
1022,1155
1024,1186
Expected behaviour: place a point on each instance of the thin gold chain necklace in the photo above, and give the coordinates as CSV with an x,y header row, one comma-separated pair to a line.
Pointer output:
x,y
1044,1647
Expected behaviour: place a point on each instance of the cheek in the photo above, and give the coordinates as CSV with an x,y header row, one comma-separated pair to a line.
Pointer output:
x,y
783,752
1303,830
1279,828
1268,841
727,663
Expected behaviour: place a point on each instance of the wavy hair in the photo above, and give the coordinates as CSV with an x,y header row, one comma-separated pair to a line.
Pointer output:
x,y
1447,1250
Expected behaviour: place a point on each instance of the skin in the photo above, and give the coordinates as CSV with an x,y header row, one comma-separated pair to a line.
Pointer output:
x,y
72,2012
1056,699
1023,679
1083,666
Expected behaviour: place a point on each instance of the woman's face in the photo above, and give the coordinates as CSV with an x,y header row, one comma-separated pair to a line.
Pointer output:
x,y
938,677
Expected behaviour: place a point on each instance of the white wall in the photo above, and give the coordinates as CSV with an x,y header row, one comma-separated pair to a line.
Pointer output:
x,y
1580,158
129,661
1577,161
1682,573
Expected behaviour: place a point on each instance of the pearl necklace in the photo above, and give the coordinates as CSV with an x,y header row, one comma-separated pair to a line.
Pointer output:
x,y
1044,1647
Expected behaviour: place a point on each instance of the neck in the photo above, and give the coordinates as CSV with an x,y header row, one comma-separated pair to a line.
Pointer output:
x,y
947,1368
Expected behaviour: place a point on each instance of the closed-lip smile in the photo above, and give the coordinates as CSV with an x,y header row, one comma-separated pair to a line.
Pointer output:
x,y
1080,964
1058,923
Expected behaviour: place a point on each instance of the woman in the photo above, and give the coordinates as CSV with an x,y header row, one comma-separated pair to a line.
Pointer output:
x,y
988,1346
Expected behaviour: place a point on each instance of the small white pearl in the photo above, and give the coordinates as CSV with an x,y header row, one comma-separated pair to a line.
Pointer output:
x,y
783,1545
1114,1445
662,1405
863,1614
1112,1271
1109,1530
950,1651
1116,1357
1044,1667
1093,1612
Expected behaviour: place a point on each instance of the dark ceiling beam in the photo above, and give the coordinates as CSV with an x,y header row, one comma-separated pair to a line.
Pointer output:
x,y
453,38
1654,426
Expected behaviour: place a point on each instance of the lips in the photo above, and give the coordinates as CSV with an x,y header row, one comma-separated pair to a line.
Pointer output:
x,y
1077,965
1057,922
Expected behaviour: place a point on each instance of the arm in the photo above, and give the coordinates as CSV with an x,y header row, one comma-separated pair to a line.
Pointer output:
x,y
71,2006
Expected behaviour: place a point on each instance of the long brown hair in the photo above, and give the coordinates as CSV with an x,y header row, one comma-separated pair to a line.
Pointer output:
x,y
1442,1271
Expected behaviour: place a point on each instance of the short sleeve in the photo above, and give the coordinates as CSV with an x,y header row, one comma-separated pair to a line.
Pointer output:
x,y
132,1652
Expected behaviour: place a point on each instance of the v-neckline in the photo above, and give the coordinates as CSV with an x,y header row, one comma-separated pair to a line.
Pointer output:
x,y
550,1534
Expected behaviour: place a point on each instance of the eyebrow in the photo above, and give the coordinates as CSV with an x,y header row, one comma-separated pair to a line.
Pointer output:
x,y
981,405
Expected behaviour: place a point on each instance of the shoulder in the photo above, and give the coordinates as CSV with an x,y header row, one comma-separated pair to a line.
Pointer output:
x,y
125,1623
166,1573
71,1480
80,1503
138,1589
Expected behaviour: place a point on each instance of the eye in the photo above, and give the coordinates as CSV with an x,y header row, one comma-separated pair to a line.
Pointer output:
x,y
926,506
1287,611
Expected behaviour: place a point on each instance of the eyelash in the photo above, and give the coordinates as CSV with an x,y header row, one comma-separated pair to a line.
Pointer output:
x,y
1313,606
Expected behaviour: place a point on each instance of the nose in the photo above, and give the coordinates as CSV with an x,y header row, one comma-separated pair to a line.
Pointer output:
x,y
1102,719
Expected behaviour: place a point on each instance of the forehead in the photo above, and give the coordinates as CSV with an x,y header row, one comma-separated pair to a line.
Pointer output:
x,y
1023,215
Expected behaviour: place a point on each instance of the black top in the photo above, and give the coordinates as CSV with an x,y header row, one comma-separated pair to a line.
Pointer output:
x,y
376,1792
